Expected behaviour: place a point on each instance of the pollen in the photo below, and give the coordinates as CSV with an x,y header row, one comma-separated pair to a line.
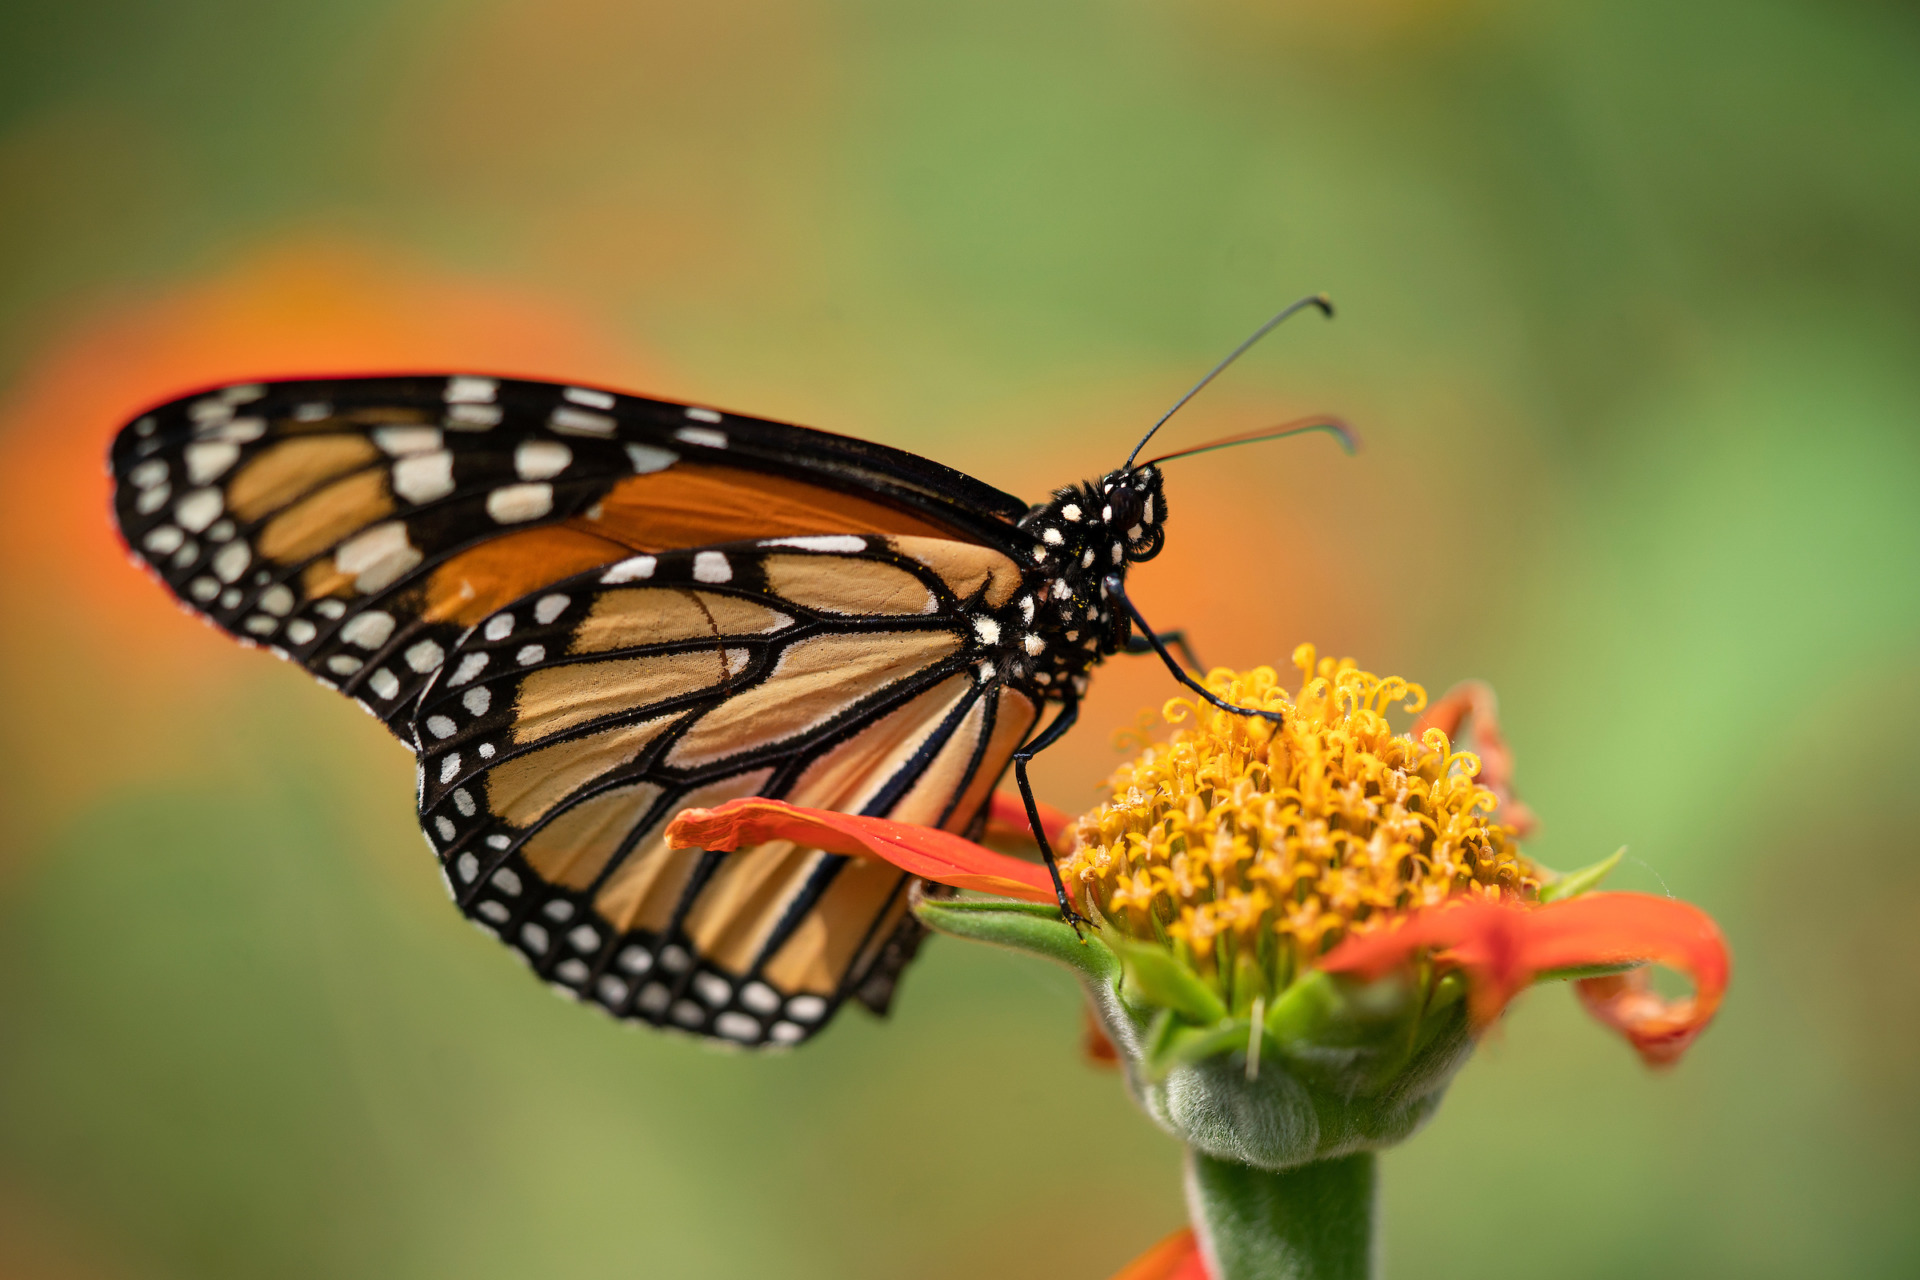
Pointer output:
x,y
1251,847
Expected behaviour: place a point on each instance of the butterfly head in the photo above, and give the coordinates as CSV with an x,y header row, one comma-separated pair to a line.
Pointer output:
x,y
1134,510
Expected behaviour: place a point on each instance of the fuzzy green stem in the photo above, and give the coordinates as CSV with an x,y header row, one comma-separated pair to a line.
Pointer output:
x,y
1312,1222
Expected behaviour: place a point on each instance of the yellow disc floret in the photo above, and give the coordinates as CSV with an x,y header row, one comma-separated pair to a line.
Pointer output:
x,y
1252,847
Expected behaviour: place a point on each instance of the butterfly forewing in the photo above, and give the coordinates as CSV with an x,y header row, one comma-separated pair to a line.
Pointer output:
x,y
838,672
361,526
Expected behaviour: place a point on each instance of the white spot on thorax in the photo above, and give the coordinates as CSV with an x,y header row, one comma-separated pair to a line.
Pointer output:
x,y
1033,644
1071,511
1051,537
987,629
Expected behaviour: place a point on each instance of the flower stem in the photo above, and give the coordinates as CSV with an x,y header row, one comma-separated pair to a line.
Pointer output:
x,y
1313,1222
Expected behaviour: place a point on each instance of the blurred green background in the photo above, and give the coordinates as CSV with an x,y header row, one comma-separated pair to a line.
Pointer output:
x,y
1630,310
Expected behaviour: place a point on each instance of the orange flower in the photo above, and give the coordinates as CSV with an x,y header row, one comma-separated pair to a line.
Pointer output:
x,y
1257,855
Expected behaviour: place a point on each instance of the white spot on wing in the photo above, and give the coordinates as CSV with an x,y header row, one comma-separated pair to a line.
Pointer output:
x,y
630,570
368,630
232,561
425,656
450,767
477,700
702,435
711,566
164,540
440,726
470,666
498,627
702,415
647,459
516,503
541,459
206,462
737,1026
806,1008
401,441
473,417
578,422
198,509
300,631
471,390
530,654
377,557
549,608
277,599
832,542
384,683
423,477
589,398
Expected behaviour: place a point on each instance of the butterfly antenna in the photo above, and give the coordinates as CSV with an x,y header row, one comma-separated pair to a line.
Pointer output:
x,y
1319,300
1348,438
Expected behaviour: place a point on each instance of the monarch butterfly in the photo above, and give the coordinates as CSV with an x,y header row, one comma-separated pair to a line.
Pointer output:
x,y
585,611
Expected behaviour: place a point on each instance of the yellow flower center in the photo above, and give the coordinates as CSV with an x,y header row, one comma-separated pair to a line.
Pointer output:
x,y
1251,848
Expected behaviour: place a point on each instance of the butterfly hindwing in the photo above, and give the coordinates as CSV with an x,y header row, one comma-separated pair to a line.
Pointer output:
x,y
361,526
563,732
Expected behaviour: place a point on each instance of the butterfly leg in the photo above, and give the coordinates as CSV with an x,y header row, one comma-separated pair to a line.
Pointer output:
x,y
1137,644
1117,590
1069,713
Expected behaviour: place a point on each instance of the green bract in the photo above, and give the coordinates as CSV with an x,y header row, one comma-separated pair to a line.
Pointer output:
x,y
1332,1066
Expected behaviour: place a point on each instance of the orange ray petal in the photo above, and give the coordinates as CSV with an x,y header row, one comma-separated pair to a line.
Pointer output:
x,y
1177,1257
1007,814
934,855
1502,946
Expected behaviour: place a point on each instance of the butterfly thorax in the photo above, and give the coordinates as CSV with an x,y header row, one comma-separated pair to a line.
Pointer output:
x,y
1082,535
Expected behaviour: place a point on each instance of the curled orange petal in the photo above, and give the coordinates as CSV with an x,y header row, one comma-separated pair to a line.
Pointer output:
x,y
934,855
1177,1257
1475,698
1502,946
1007,815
